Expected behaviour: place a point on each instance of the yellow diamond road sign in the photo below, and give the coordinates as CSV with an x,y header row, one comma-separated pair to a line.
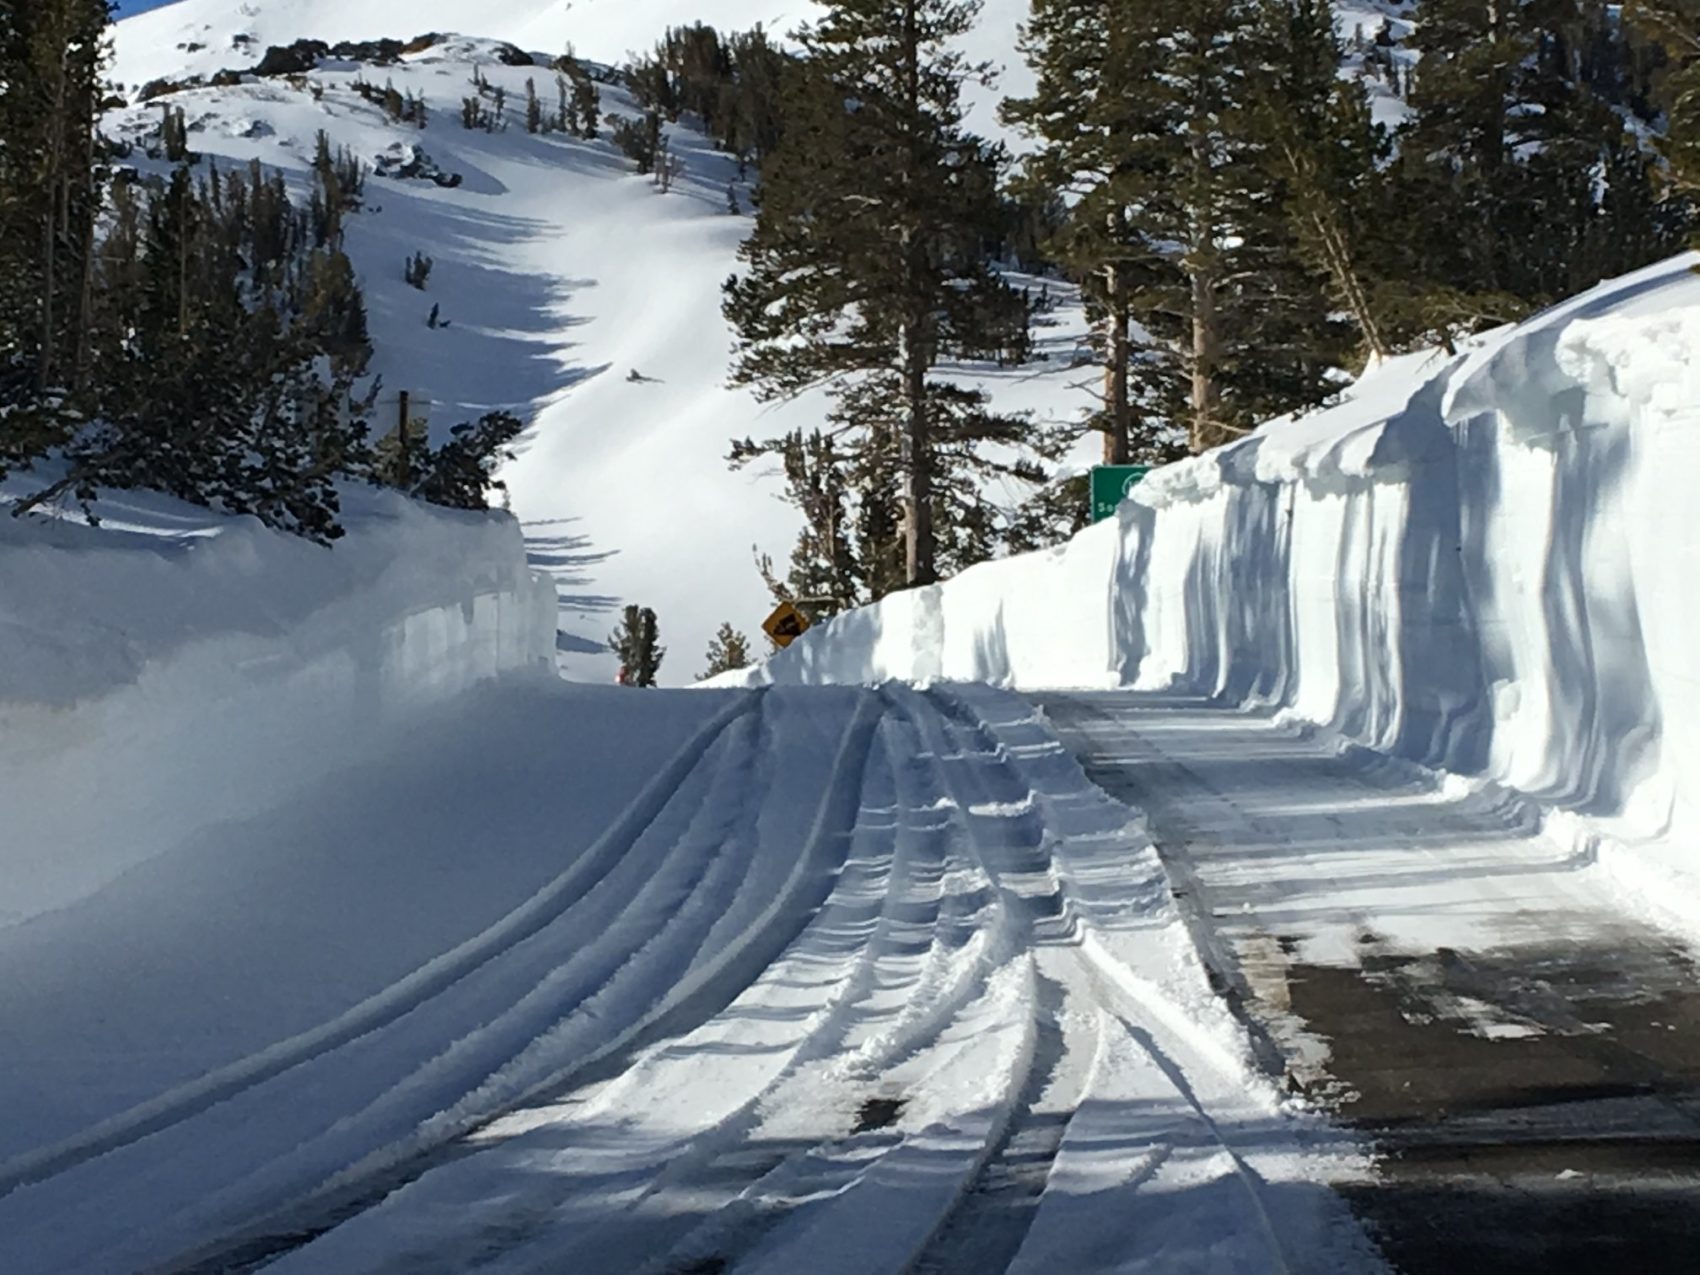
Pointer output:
x,y
785,625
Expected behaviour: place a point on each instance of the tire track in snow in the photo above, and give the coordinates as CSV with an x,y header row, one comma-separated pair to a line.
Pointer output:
x,y
888,895
187,1101
667,904
965,1064
235,1159
985,1224
970,1080
1140,1008
889,1019
985,1228
705,990
865,1203
851,970
824,974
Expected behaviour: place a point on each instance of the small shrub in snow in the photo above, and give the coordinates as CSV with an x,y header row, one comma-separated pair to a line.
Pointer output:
x,y
533,108
292,59
579,102
639,140
668,167
418,271
458,475
154,89
729,650
174,136
636,643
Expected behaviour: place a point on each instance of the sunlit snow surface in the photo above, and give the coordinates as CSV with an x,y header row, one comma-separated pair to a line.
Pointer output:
x,y
560,273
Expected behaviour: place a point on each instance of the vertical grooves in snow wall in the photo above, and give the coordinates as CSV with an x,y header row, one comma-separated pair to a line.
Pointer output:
x,y
172,669
1488,563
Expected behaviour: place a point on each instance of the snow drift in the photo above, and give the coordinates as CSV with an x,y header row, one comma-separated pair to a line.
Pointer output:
x,y
1485,563
174,668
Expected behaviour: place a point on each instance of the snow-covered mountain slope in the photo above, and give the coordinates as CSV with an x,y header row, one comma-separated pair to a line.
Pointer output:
x,y
560,274
205,36
1484,563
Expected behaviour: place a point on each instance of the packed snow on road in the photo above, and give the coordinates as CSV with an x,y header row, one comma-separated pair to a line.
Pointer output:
x,y
1294,871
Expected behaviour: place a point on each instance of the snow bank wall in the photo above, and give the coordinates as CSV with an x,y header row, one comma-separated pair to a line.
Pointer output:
x,y
1489,563
170,671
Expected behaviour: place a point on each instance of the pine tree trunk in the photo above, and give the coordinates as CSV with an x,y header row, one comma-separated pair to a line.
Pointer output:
x,y
1206,339
1116,398
1348,282
1205,345
920,552
54,181
1334,245
85,292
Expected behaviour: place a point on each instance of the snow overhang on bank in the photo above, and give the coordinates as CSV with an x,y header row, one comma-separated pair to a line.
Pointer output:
x,y
173,668
1487,563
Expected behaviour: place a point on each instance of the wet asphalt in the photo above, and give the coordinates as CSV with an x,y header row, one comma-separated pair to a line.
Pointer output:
x,y
1533,1103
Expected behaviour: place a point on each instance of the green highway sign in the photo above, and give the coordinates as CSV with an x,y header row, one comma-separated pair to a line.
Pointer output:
x,y
1110,483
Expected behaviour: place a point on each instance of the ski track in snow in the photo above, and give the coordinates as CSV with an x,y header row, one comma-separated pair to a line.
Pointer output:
x,y
861,981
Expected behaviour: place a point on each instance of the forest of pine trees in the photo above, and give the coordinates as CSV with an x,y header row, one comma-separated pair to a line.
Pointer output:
x,y
198,334
868,269
1244,234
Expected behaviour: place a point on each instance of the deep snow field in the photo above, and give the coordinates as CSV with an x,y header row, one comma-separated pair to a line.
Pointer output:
x,y
337,929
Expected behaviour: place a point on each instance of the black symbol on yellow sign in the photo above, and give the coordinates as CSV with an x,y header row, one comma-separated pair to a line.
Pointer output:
x,y
785,625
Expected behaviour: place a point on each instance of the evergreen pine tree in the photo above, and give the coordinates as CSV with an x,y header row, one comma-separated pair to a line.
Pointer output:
x,y
729,650
587,104
1094,121
1325,150
1146,112
533,108
824,570
1674,27
1517,180
52,58
751,123
866,268
635,642
1256,338
462,472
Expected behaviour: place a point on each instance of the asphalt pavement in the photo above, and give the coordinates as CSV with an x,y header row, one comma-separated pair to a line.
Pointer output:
x,y
1523,1054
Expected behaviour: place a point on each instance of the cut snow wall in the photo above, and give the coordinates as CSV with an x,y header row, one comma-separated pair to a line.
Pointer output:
x,y
1489,564
156,682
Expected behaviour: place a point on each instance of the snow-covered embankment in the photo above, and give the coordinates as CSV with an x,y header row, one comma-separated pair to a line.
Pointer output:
x,y
1488,563
172,669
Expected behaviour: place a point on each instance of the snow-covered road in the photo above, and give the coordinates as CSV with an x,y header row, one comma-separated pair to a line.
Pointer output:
x,y
860,981
1523,1047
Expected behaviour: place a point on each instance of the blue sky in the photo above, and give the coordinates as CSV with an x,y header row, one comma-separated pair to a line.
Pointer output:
x,y
127,7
